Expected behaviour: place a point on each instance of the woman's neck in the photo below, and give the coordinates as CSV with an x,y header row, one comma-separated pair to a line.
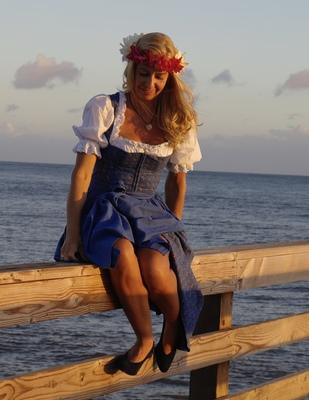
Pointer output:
x,y
149,105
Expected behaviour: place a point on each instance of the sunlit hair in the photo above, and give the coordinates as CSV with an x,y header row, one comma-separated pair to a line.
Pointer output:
x,y
175,111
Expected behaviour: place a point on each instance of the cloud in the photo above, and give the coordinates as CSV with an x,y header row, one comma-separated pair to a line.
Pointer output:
x,y
12,107
224,77
294,115
288,132
43,72
297,81
7,128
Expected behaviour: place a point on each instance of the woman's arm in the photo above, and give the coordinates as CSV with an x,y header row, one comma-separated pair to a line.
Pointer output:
x,y
175,192
80,181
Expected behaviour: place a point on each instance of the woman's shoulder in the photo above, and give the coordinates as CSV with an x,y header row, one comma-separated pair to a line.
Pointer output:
x,y
99,101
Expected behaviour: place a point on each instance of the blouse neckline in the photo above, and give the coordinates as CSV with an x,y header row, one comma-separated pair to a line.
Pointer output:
x,y
130,143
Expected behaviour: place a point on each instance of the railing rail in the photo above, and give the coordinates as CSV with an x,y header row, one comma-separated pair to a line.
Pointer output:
x,y
38,292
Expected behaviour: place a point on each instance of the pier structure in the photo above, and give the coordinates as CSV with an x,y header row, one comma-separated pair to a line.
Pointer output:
x,y
39,292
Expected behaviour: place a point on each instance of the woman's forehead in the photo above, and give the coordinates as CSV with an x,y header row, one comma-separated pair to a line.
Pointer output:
x,y
151,70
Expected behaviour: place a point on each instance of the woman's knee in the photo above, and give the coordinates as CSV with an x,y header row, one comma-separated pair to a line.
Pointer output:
x,y
125,274
156,272
125,251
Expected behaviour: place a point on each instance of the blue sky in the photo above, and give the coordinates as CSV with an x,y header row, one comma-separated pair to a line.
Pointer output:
x,y
249,68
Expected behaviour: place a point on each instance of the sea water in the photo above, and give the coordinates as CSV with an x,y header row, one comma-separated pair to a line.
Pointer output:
x,y
222,209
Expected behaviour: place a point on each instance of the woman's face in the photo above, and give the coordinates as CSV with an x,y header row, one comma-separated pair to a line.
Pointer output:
x,y
149,83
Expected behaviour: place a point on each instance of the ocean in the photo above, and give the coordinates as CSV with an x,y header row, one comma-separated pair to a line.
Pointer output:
x,y
222,209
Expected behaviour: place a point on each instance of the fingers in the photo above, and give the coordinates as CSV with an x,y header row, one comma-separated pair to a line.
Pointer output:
x,y
69,255
68,258
71,251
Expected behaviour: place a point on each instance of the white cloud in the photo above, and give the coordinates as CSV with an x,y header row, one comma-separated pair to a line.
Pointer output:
x,y
294,115
224,77
12,107
297,81
43,72
288,132
7,128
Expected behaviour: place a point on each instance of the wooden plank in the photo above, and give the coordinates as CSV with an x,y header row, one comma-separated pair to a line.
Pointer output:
x,y
80,381
265,271
291,387
215,278
46,271
31,302
41,271
273,250
51,291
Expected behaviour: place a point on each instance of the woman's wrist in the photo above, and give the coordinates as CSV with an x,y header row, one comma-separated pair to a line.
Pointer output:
x,y
72,235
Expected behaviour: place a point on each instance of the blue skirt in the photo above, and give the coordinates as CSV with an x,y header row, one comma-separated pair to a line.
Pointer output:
x,y
147,222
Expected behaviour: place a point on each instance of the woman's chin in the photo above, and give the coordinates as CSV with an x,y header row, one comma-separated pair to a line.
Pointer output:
x,y
147,96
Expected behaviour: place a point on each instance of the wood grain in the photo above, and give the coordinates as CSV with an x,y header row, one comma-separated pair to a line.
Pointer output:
x,y
80,381
291,387
38,292
226,315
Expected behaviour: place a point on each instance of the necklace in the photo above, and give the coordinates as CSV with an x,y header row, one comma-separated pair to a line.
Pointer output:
x,y
148,125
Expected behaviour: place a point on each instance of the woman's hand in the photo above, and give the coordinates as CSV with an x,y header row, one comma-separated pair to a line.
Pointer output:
x,y
70,250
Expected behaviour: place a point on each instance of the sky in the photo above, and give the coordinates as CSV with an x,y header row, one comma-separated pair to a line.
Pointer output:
x,y
248,68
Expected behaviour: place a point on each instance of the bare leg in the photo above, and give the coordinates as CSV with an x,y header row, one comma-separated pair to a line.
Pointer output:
x,y
128,284
161,283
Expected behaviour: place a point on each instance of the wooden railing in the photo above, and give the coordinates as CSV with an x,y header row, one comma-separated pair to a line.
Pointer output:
x,y
39,292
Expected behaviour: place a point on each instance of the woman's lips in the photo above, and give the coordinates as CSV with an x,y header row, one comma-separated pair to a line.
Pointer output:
x,y
146,92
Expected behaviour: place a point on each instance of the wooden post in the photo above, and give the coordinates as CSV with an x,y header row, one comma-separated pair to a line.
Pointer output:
x,y
212,382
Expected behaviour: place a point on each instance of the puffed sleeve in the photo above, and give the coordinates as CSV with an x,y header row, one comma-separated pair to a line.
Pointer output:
x,y
98,115
185,154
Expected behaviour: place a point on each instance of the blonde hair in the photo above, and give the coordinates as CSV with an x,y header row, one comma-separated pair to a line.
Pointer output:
x,y
175,112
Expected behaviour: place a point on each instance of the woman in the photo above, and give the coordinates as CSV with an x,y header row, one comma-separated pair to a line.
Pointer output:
x,y
114,217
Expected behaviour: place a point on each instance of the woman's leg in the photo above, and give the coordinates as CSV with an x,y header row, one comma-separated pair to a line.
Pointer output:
x,y
128,284
161,283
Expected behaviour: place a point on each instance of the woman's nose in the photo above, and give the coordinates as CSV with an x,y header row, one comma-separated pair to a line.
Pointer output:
x,y
150,81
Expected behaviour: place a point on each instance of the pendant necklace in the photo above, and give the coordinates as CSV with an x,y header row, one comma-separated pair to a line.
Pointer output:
x,y
148,125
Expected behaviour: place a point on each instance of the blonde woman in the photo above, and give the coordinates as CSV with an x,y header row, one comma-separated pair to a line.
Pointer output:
x,y
115,218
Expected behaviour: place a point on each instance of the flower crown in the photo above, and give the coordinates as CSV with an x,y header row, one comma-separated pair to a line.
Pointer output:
x,y
131,52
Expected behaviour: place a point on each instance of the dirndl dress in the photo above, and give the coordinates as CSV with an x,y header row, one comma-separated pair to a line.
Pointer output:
x,y
122,203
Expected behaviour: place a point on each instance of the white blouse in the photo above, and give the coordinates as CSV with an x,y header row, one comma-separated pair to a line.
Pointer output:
x,y
98,116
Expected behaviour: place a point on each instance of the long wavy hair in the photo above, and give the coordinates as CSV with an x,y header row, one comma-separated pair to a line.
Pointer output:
x,y
175,112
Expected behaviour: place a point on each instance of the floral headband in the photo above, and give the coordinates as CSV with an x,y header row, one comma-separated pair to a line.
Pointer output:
x,y
131,52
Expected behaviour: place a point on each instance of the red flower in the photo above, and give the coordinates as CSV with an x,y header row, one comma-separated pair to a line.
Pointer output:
x,y
158,62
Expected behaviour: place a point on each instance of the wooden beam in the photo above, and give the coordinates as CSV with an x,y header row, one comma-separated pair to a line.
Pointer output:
x,y
80,381
216,315
226,317
209,321
291,387
38,292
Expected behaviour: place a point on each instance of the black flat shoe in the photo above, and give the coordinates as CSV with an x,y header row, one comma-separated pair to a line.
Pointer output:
x,y
129,367
163,360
